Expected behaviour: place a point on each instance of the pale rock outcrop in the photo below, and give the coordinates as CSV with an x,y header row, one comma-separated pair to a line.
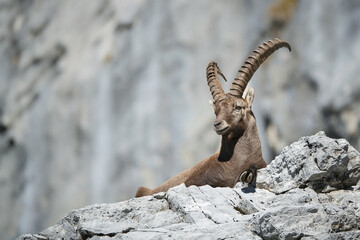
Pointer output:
x,y
310,191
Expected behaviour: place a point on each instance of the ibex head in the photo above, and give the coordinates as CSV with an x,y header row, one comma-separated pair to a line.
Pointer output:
x,y
233,112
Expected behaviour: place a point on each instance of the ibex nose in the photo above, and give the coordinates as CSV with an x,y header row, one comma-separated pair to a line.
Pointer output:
x,y
217,123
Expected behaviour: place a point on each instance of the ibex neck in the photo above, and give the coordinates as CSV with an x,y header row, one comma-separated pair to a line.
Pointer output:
x,y
227,149
244,147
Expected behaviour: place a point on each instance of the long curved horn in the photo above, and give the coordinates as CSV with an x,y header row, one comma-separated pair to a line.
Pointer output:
x,y
213,81
253,63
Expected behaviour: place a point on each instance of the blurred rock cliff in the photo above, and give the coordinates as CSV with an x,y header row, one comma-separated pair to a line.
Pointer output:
x,y
100,97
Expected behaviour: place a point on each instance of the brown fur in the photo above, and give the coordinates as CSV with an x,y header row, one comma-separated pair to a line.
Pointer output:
x,y
240,153
240,150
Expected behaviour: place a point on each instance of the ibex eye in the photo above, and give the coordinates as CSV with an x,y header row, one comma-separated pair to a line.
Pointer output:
x,y
237,107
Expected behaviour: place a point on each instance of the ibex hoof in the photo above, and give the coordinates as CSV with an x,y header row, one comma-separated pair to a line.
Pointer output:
x,y
247,177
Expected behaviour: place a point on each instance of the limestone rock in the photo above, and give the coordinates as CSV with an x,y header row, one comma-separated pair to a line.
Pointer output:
x,y
84,83
321,201
318,162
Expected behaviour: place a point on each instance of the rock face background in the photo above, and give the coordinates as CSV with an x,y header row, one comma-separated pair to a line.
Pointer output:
x,y
100,97
310,191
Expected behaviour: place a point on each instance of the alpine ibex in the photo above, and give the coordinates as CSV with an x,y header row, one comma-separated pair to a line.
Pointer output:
x,y
240,153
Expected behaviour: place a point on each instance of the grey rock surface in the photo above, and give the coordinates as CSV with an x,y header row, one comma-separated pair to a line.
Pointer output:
x,y
287,203
321,164
100,97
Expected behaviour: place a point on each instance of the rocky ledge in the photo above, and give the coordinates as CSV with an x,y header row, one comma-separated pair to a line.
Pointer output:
x,y
310,191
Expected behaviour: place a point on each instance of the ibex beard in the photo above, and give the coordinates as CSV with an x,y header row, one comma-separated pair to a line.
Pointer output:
x,y
240,153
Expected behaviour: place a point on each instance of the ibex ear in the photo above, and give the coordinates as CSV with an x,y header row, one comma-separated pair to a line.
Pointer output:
x,y
212,104
250,96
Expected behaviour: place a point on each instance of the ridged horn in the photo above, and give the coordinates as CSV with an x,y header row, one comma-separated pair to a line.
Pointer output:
x,y
253,63
213,81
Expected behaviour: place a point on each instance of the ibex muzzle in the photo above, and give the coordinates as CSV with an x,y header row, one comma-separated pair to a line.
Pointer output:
x,y
240,153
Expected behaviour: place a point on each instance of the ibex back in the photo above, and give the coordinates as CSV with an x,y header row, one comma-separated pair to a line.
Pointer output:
x,y
240,153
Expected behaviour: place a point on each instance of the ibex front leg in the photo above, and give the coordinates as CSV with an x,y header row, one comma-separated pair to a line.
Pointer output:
x,y
247,176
